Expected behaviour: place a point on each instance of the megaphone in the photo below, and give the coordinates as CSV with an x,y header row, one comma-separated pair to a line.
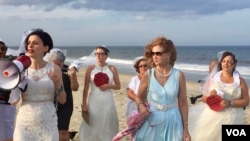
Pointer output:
x,y
10,71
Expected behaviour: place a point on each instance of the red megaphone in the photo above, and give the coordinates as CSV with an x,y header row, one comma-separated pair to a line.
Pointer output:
x,y
11,71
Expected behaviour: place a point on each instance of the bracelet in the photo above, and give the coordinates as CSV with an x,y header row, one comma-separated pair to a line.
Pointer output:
x,y
59,90
231,103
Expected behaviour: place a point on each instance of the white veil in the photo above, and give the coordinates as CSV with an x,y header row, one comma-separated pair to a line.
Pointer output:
x,y
84,61
21,48
205,89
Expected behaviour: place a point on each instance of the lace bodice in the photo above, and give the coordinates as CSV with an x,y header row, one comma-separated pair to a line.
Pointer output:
x,y
40,86
36,118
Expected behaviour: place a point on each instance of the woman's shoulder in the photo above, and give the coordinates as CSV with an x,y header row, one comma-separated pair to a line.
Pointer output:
x,y
176,70
112,67
177,73
90,67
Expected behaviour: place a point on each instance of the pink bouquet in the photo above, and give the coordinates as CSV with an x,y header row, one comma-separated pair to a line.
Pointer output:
x,y
134,122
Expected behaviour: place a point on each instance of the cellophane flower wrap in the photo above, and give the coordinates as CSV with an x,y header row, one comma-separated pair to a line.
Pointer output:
x,y
134,122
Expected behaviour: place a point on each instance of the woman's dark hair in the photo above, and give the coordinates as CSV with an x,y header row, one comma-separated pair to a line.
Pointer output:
x,y
225,54
45,37
4,45
106,51
4,48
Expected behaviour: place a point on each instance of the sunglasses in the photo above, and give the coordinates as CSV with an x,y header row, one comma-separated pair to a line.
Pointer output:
x,y
158,53
143,66
100,53
3,49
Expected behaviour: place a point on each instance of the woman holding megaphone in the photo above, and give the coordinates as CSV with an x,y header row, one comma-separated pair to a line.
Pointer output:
x,y
36,118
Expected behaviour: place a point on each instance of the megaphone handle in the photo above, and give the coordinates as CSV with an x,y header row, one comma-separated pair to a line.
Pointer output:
x,y
24,89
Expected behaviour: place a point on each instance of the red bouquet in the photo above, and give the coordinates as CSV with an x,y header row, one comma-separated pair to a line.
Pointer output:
x,y
100,79
213,101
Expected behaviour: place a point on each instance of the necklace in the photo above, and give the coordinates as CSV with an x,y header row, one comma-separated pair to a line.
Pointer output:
x,y
164,75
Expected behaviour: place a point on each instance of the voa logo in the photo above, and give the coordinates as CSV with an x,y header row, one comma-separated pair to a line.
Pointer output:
x,y
236,132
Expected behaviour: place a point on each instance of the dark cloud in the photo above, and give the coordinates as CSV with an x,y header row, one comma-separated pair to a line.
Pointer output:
x,y
199,7
46,5
35,2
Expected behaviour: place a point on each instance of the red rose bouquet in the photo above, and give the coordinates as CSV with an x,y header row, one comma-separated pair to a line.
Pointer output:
x,y
213,101
100,79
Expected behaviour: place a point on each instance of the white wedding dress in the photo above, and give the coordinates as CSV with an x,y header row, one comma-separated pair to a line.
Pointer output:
x,y
36,119
206,124
103,118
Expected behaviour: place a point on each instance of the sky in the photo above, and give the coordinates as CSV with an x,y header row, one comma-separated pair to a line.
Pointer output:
x,y
128,22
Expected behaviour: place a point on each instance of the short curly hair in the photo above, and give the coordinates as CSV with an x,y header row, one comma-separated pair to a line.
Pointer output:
x,y
137,62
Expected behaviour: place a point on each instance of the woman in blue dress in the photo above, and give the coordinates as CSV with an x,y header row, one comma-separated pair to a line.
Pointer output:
x,y
164,88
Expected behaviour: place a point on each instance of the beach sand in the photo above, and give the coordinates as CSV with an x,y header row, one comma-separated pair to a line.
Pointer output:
x,y
120,100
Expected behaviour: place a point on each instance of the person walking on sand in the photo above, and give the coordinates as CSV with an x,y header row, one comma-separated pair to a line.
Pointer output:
x,y
7,111
232,91
164,89
100,120
70,83
140,67
36,119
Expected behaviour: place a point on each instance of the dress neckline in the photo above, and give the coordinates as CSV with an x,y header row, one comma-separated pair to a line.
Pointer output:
x,y
101,68
46,63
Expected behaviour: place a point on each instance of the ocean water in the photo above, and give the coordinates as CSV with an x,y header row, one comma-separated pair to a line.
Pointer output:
x,y
192,60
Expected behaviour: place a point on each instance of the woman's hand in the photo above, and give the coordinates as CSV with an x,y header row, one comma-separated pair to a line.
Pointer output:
x,y
105,87
204,99
56,78
225,103
85,113
72,71
143,110
186,135
84,108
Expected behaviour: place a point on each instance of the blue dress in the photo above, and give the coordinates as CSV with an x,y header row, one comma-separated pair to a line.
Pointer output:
x,y
163,124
